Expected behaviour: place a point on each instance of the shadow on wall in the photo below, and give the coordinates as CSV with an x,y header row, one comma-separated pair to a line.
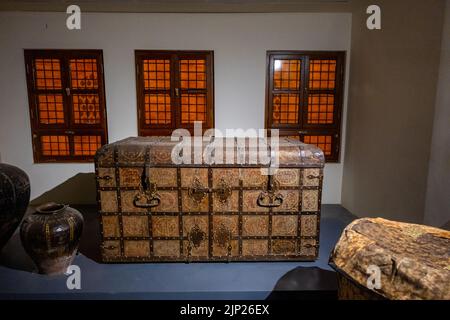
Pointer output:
x,y
80,189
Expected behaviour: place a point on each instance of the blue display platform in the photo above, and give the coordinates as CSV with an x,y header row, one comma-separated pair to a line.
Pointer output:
x,y
250,280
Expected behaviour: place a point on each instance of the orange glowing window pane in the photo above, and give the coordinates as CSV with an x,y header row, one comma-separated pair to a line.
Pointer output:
x,y
322,74
83,74
55,145
51,109
157,109
193,107
320,108
323,142
48,74
285,108
156,74
193,74
286,74
86,145
86,108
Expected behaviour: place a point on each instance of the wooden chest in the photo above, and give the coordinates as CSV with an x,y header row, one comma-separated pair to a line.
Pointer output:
x,y
412,261
152,209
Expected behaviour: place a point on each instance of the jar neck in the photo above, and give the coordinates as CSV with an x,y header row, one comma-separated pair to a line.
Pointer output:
x,y
51,208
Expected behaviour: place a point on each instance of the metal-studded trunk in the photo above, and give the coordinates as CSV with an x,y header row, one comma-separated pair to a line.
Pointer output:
x,y
154,210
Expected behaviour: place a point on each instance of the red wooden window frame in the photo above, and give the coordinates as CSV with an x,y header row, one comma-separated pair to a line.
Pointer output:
x,y
302,128
79,140
175,91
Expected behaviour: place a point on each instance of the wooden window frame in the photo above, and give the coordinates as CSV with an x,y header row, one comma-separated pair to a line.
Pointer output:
x,y
302,128
174,56
69,128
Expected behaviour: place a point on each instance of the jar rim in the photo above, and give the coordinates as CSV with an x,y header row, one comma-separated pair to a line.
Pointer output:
x,y
51,208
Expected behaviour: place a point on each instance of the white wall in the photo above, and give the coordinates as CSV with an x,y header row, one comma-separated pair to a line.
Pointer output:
x,y
437,208
239,41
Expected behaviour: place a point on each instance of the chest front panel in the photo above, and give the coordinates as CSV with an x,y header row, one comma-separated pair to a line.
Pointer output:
x,y
168,213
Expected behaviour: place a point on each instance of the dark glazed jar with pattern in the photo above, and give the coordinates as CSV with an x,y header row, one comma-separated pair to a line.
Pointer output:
x,y
14,198
51,235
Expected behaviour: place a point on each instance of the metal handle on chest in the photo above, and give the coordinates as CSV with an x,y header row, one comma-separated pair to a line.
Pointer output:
x,y
270,198
148,196
146,200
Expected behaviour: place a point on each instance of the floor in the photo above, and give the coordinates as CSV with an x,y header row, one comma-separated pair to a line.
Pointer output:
x,y
254,280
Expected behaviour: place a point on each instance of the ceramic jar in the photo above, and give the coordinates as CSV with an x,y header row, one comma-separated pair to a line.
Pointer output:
x,y
51,235
14,198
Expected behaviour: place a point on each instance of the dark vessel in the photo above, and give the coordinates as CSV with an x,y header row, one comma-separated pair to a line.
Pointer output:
x,y
51,235
14,198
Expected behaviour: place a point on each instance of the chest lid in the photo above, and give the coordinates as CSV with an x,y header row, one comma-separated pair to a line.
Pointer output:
x,y
233,152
